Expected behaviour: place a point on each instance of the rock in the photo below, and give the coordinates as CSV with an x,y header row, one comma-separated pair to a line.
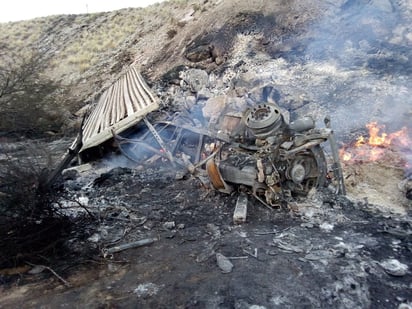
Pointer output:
x,y
173,75
94,238
198,53
394,267
146,289
224,263
196,79
217,52
188,17
203,94
73,185
265,93
327,227
169,225
83,200
70,174
214,107
213,230
219,60
190,101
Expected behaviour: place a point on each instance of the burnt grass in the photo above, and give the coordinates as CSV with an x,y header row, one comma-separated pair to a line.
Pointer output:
x,y
283,258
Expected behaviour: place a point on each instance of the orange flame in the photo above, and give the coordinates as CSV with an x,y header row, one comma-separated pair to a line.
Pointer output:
x,y
374,147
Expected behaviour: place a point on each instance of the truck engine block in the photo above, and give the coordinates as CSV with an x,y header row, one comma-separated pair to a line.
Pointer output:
x,y
272,159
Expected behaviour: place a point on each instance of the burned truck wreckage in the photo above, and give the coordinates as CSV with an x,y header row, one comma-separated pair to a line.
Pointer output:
x,y
263,155
254,151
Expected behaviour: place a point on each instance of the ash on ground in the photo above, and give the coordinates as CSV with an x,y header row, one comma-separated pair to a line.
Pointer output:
x,y
321,251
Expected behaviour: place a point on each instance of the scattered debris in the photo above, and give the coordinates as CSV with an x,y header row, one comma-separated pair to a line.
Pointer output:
x,y
146,289
213,230
340,269
224,263
40,268
139,243
169,225
239,215
206,253
287,247
254,254
394,267
327,227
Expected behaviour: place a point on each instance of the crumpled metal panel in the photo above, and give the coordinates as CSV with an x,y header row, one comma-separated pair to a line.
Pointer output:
x,y
121,106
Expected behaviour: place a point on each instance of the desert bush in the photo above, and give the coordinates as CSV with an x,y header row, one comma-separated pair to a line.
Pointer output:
x,y
22,33
171,33
26,95
30,224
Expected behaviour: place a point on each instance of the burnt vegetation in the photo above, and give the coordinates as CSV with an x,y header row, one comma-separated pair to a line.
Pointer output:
x,y
31,224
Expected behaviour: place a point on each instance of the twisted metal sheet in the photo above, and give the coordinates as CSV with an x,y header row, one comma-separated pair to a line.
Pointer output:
x,y
120,106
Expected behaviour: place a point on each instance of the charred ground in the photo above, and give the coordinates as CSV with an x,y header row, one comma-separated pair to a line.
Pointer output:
x,y
324,251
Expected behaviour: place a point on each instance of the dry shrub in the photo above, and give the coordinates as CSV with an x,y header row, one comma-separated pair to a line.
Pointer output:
x,y
26,95
31,226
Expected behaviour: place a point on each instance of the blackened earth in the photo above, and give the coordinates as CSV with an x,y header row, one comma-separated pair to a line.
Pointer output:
x,y
320,252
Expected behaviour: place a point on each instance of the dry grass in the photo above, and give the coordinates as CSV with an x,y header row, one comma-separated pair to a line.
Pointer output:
x,y
77,43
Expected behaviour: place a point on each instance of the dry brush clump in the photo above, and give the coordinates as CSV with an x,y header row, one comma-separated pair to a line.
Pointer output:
x,y
29,100
19,35
30,224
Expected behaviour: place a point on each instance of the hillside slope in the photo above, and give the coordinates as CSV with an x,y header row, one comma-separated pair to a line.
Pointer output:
x,y
87,52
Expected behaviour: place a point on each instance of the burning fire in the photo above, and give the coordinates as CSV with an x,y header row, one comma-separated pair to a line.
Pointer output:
x,y
375,147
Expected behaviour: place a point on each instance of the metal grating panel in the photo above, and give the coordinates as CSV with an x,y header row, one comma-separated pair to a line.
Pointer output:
x,y
121,106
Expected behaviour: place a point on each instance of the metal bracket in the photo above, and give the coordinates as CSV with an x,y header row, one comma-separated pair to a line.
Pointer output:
x,y
336,167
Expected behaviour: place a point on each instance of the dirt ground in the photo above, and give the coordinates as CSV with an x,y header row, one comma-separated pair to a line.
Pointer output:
x,y
322,252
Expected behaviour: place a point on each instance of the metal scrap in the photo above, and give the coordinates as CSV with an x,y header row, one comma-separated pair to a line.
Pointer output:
x,y
239,215
122,247
287,247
